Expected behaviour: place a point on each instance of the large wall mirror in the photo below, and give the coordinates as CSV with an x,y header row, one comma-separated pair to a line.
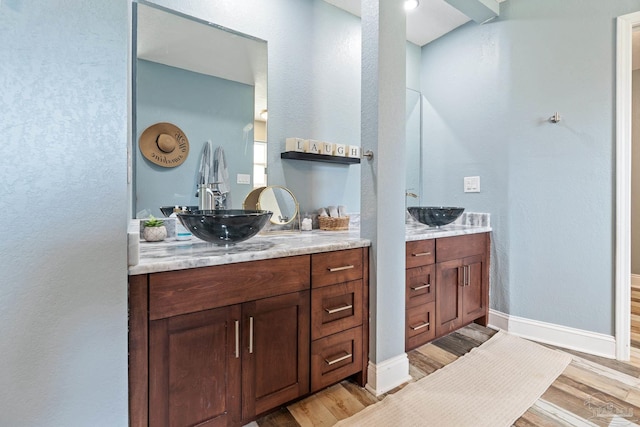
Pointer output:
x,y
210,82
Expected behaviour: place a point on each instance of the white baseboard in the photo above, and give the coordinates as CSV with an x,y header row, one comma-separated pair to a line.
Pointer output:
x,y
549,333
388,374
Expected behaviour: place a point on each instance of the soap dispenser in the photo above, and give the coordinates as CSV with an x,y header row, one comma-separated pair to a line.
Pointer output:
x,y
182,233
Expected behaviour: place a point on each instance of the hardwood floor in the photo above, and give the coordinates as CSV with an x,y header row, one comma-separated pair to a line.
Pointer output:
x,y
592,391
635,320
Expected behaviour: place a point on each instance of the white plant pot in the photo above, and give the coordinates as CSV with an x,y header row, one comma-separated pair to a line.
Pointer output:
x,y
154,234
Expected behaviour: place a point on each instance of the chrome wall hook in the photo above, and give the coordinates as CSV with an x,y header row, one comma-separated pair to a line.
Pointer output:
x,y
555,118
368,154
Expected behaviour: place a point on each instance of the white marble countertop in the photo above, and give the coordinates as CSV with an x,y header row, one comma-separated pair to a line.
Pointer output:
x,y
177,255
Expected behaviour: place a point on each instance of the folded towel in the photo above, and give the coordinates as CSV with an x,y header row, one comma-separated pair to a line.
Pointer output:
x,y
220,172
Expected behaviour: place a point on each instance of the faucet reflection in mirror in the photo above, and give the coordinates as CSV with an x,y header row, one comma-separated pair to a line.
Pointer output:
x,y
213,179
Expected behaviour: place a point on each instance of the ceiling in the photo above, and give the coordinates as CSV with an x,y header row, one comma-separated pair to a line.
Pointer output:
x,y
432,18
182,42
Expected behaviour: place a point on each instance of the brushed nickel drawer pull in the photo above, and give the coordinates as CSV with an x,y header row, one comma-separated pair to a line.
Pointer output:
x,y
339,359
421,254
237,339
424,286
338,309
424,325
250,334
346,267
468,275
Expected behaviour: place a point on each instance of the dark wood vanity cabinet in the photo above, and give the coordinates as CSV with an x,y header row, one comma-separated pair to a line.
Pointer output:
x,y
217,346
450,289
275,356
420,293
339,316
194,369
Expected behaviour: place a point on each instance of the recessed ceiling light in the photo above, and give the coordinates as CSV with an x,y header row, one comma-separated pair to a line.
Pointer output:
x,y
411,4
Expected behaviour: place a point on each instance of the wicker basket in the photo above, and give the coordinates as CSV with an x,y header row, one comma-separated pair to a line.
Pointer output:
x,y
333,224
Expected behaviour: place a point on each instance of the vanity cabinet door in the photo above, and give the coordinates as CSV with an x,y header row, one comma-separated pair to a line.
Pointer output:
x,y
194,369
449,277
474,290
275,354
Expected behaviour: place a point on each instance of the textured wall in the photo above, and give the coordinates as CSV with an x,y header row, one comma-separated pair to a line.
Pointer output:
x,y
63,291
490,90
383,180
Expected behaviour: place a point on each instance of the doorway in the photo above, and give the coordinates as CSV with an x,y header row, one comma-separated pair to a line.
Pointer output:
x,y
624,43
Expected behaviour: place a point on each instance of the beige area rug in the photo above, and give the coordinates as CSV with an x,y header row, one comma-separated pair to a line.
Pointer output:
x,y
492,385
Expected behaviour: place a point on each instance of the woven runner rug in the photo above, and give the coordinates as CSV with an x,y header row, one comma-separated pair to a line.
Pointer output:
x,y
492,385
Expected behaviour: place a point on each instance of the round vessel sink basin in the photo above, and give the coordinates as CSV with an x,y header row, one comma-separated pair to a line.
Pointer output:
x,y
435,216
225,226
168,210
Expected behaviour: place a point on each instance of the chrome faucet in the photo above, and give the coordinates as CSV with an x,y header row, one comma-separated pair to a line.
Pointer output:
x,y
211,197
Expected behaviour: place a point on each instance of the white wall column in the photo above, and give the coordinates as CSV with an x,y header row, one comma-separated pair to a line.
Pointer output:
x,y
382,186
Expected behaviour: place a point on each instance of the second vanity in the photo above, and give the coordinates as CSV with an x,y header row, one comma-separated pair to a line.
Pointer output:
x,y
221,335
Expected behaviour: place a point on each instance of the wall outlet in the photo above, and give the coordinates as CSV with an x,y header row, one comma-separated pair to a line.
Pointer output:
x,y
243,178
471,184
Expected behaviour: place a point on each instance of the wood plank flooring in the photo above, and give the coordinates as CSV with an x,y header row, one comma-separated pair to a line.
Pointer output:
x,y
592,391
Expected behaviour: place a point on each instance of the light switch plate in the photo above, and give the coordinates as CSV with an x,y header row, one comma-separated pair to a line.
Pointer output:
x,y
471,184
243,178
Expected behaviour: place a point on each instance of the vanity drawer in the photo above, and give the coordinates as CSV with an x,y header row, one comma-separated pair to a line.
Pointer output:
x,y
186,291
421,285
456,247
336,308
336,357
420,252
420,325
329,268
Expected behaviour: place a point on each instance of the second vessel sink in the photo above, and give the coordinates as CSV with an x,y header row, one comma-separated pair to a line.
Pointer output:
x,y
435,216
225,226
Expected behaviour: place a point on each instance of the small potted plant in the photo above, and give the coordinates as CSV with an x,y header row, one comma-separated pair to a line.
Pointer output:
x,y
154,230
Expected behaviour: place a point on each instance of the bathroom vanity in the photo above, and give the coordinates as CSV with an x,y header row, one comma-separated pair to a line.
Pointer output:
x,y
220,335
447,285
221,344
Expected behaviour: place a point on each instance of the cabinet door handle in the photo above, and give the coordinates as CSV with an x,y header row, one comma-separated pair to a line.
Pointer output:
x,y
423,325
423,286
468,275
250,334
237,339
421,254
339,359
338,309
346,267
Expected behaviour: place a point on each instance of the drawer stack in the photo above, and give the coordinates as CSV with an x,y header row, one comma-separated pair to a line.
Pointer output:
x,y
447,286
337,314
420,293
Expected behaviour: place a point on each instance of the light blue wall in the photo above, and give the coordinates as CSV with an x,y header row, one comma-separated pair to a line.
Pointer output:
x,y
313,89
63,172
204,108
489,92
